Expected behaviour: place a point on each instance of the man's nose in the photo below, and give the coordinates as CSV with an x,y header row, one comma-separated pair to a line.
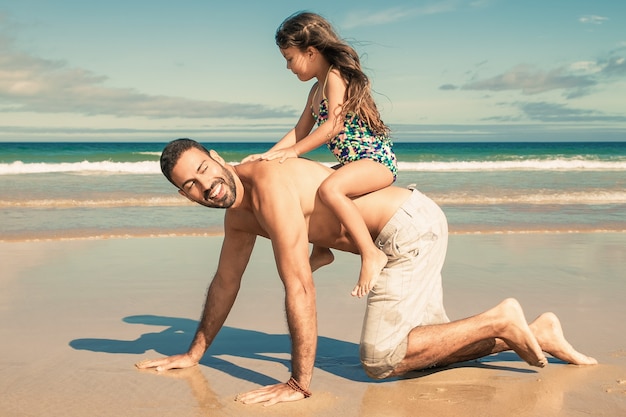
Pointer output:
x,y
204,182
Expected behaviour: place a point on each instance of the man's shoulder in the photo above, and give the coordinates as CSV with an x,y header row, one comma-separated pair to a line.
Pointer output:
x,y
266,173
293,181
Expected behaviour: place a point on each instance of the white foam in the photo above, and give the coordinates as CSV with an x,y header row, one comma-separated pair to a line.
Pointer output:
x,y
522,165
595,197
152,167
19,167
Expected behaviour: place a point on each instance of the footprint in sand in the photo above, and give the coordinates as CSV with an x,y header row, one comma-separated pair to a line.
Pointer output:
x,y
617,390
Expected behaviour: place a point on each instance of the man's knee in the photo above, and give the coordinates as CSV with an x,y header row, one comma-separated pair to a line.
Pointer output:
x,y
376,372
379,364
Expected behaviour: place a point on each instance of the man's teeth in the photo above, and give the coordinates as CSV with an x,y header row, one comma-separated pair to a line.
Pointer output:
x,y
216,191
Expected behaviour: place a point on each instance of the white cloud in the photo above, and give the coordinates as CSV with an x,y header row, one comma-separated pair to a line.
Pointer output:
x,y
587,67
553,112
532,81
33,84
593,19
576,79
362,18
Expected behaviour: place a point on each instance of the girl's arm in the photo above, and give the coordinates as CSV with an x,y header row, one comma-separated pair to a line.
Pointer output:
x,y
300,131
335,92
302,128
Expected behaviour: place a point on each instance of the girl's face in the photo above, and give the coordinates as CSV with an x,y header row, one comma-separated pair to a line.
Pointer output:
x,y
299,62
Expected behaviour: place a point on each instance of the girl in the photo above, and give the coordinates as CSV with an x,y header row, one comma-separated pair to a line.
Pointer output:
x,y
348,123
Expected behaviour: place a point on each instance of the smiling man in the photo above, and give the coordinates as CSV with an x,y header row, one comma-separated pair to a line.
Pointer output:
x,y
279,201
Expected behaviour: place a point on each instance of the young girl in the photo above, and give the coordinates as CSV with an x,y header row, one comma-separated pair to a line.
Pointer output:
x,y
348,123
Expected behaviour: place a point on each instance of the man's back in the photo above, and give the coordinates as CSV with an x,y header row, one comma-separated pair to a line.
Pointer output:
x,y
300,179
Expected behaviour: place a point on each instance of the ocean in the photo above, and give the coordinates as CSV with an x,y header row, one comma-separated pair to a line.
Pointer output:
x,y
70,190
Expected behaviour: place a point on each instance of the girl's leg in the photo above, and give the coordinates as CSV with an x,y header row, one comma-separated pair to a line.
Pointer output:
x,y
353,180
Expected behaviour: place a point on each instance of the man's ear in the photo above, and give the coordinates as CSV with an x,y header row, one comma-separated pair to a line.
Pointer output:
x,y
216,157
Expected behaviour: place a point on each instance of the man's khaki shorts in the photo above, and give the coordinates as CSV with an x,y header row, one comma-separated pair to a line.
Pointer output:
x,y
408,293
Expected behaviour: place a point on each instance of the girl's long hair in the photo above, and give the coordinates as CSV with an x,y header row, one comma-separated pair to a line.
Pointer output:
x,y
305,29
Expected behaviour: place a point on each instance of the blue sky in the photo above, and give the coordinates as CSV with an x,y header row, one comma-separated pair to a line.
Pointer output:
x,y
441,70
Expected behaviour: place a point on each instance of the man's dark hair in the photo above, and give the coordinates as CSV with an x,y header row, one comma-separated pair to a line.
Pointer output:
x,y
172,152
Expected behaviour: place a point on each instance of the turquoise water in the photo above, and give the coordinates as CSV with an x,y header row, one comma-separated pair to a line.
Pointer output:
x,y
612,154
67,190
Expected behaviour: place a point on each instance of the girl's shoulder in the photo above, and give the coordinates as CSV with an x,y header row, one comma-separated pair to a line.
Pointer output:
x,y
334,84
334,76
334,71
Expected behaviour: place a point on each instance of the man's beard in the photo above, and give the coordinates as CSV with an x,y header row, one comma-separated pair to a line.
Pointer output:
x,y
230,194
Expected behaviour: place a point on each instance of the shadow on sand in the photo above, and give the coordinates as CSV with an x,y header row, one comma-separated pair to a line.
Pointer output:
x,y
338,357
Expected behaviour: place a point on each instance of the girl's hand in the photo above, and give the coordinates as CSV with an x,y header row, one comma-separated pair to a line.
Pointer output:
x,y
280,154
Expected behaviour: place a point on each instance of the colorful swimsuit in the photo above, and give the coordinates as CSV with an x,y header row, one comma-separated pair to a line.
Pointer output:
x,y
357,141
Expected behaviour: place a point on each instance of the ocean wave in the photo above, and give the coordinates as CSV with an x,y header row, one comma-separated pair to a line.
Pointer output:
x,y
109,167
521,165
152,167
444,199
177,232
173,201
546,198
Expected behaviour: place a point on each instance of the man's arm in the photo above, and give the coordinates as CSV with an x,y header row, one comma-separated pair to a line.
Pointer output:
x,y
281,214
236,250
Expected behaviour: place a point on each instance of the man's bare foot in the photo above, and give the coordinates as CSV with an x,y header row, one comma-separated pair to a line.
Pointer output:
x,y
320,257
370,270
549,334
517,334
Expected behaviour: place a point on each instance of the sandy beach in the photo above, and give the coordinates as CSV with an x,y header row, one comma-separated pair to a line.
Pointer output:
x,y
77,314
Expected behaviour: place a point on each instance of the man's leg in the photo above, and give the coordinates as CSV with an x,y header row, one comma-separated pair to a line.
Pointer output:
x,y
472,338
320,257
503,328
408,292
549,334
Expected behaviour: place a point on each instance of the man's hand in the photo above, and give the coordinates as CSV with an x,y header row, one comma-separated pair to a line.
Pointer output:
x,y
270,395
171,362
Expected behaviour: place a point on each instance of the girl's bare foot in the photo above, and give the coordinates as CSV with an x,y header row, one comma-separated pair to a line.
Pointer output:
x,y
549,333
370,270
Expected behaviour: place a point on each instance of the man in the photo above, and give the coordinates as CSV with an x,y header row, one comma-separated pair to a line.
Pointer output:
x,y
405,327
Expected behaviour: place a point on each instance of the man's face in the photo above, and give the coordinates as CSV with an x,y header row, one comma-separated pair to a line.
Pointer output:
x,y
204,180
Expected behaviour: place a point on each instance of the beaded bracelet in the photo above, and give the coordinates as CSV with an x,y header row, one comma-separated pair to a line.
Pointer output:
x,y
293,384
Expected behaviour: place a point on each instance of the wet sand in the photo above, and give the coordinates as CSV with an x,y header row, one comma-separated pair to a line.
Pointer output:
x,y
75,315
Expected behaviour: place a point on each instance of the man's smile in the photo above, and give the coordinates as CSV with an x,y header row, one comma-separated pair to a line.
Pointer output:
x,y
215,191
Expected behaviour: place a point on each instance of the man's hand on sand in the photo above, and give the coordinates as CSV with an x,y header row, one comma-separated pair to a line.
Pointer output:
x,y
270,395
170,362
